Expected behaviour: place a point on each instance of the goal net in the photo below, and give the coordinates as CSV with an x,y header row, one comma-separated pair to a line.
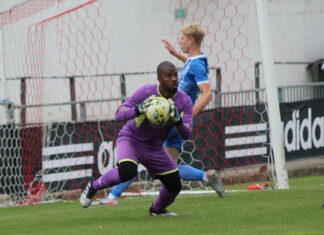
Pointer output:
x,y
61,88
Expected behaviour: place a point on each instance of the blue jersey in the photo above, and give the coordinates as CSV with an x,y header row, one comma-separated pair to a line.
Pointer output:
x,y
195,71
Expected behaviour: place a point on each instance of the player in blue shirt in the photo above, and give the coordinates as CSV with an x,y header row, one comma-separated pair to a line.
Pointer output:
x,y
194,81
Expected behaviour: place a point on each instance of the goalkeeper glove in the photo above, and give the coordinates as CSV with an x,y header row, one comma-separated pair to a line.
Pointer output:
x,y
174,114
142,107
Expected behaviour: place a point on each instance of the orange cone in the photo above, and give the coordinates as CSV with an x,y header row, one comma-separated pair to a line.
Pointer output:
x,y
256,186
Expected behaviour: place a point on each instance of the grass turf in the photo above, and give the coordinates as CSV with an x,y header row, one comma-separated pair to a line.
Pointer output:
x,y
293,211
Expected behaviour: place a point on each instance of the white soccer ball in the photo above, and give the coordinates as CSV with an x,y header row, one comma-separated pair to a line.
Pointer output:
x,y
158,113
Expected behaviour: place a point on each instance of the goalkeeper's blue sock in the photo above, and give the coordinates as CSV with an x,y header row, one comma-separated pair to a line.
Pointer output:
x,y
190,174
118,189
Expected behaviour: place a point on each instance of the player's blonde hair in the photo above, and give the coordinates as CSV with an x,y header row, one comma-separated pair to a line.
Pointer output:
x,y
195,31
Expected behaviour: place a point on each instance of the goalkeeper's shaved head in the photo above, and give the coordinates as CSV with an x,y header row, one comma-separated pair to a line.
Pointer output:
x,y
163,66
167,75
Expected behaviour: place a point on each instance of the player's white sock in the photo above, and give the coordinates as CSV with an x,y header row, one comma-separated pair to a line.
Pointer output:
x,y
112,197
205,179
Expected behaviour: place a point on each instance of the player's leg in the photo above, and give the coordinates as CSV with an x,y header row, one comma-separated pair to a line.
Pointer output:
x,y
115,193
173,145
210,178
187,173
126,170
213,180
169,191
161,166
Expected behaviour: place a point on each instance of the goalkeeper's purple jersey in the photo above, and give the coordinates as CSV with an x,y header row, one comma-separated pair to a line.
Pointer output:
x,y
139,128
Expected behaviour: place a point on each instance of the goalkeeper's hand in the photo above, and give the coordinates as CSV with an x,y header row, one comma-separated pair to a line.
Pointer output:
x,y
174,113
142,107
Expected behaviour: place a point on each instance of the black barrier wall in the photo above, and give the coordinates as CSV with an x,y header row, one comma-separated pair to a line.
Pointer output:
x,y
212,144
303,128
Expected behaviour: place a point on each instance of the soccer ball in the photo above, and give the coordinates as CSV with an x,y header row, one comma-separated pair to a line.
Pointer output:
x,y
158,113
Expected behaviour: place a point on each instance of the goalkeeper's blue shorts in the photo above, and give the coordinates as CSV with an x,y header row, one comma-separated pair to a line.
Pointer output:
x,y
174,140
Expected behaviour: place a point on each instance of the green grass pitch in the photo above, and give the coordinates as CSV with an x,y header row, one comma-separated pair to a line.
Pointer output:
x,y
293,211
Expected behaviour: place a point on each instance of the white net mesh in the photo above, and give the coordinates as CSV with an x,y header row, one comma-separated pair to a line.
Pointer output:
x,y
57,130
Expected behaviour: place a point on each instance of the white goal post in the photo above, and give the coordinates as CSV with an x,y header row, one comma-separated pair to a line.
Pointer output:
x,y
276,128
2,68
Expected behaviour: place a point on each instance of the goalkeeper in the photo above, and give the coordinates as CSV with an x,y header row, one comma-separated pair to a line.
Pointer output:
x,y
140,142
193,81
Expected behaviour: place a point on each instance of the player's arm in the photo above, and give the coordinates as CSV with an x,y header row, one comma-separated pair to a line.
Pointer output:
x,y
204,99
126,111
134,106
173,52
182,123
200,72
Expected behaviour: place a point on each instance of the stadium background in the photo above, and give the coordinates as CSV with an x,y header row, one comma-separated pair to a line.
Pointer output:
x,y
133,45
296,37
